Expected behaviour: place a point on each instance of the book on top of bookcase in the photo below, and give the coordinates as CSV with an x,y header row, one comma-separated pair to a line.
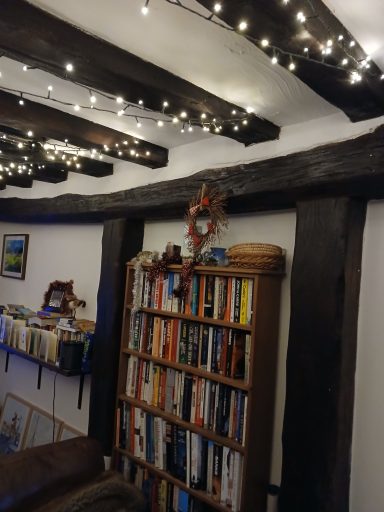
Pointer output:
x,y
196,388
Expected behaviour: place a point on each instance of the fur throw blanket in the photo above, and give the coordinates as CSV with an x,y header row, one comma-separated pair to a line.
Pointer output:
x,y
108,494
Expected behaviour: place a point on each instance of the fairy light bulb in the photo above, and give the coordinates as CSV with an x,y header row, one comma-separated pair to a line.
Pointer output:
x,y
301,17
344,62
77,107
160,123
120,113
217,7
92,98
340,38
119,100
292,66
183,115
264,43
30,133
243,25
175,120
274,60
145,8
25,68
165,104
352,44
69,67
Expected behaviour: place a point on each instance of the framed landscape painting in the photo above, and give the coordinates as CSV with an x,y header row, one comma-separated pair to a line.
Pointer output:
x,y
13,423
14,256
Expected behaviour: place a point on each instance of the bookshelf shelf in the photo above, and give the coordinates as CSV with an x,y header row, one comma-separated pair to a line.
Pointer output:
x,y
235,383
44,364
194,318
217,366
202,496
156,411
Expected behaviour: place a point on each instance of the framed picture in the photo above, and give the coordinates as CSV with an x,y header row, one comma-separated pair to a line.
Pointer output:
x,y
13,423
14,256
41,429
68,432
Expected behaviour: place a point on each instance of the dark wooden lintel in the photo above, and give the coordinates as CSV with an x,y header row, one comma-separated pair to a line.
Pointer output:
x,y
354,167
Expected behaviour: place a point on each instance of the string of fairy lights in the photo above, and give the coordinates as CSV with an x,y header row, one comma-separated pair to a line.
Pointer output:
x,y
354,68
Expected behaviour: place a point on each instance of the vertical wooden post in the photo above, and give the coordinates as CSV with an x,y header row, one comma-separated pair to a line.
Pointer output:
x,y
122,240
321,359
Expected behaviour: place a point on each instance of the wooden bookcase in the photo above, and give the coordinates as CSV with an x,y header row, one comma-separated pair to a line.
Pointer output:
x,y
261,334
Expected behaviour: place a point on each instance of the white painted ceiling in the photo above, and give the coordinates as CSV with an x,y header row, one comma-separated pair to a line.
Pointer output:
x,y
219,61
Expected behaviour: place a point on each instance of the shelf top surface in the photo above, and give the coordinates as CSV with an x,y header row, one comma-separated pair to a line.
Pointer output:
x,y
226,270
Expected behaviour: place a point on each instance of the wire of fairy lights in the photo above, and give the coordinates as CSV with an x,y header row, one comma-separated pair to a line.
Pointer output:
x,y
325,50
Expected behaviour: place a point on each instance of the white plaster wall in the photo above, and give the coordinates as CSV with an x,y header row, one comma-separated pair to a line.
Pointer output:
x,y
55,252
276,228
367,489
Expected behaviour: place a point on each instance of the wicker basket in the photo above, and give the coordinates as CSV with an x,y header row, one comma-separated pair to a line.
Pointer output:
x,y
252,248
252,255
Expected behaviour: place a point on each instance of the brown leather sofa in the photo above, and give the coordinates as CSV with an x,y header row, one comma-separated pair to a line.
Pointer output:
x,y
64,477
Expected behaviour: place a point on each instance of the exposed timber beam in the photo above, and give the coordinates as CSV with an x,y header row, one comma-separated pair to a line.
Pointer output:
x,y
278,22
352,168
33,36
321,360
50,123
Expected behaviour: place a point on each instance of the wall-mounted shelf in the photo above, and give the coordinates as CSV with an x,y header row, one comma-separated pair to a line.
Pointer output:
x,y
44,364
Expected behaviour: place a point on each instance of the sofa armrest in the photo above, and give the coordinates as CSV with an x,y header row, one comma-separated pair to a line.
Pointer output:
x,y
34,476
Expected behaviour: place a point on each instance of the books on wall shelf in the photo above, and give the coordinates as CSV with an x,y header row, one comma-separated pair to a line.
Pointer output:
x,y
196,389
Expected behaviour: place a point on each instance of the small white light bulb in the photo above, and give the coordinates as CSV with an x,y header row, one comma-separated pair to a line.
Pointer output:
x,y
160,123
274,60
120,113
21,102
352,44
144,10
30,133
77,107
183,115
243,26
119,100
264,43
25,68
175,120
203,116
301,17
292,66
165,104
69,67
93,98
217,7
340,38
344,62
329,42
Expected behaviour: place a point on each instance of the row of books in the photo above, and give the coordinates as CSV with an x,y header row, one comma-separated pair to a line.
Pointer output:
x,y
219,297
161,495
214,406
200,463
43,343
215,349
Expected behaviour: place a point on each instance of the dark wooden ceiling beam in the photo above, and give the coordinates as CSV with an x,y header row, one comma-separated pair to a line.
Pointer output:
x,y
53,171
352,168
50,123
33,36
278,23
82,165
